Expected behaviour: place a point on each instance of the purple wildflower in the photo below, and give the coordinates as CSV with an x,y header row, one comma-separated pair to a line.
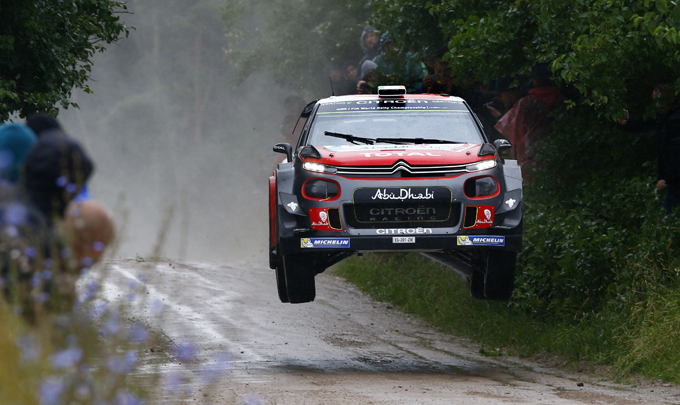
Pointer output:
x,y
98,246
172,383
112,325
124,397
50,391
219,365
71,188
186,352
30,347
15,214
62,181
65,253
87,262
67,358
35,281
156,307
137,333
46,275
252,399
122,364
30,252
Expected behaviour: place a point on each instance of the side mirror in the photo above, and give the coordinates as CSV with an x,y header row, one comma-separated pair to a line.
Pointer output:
x,y
284,148
501,144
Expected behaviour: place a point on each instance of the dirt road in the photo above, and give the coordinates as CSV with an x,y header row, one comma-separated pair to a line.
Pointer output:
x,y
341,349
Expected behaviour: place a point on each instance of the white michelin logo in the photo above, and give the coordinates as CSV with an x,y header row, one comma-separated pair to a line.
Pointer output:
x,y
307,243
464,241
511,202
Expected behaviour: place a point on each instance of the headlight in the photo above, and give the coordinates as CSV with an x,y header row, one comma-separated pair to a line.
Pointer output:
x,y
483,165
318,168
318,189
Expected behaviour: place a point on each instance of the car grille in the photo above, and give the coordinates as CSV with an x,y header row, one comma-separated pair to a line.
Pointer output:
x,y
401,169
381,215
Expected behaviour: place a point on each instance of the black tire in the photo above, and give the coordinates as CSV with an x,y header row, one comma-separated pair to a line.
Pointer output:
x,y
299,278
495,278
281,283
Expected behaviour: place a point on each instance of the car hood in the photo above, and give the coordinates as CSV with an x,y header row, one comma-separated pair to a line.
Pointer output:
x,y
385,155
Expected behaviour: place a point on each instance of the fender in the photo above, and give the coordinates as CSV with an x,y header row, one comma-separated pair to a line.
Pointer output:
x,y
272,210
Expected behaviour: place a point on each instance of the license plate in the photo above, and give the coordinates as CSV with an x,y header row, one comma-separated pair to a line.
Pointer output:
x,y
404,239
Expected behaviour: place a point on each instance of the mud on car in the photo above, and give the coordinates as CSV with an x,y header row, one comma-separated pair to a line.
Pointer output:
x,y
394,173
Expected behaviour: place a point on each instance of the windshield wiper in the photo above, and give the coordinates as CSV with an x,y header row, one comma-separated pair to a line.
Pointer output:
x,y
350,138
403,141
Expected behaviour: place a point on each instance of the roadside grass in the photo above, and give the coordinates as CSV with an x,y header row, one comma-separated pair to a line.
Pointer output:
x,y
417,285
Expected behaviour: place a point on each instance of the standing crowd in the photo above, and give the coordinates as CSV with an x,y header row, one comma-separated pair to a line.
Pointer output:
x,y
51,230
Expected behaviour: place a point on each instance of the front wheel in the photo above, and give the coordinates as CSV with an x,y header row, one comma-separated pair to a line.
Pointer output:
x,y
494,277
298,272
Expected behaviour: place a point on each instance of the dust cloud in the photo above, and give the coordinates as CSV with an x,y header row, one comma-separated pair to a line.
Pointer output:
x,y
182,156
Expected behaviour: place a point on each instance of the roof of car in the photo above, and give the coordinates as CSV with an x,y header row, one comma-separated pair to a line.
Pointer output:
x,y
360,97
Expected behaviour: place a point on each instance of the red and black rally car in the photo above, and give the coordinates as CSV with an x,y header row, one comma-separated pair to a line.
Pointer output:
x,y
393,173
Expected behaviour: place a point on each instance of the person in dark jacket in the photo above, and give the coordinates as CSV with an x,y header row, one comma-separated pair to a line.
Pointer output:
x,y
42,124
57,168
667,129
370,43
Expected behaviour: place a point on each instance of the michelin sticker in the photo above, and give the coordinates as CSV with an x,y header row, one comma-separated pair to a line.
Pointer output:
x,y
309,243
481,241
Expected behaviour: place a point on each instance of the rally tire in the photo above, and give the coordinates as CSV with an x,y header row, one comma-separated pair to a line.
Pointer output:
x,y
495,279
299,278
281,283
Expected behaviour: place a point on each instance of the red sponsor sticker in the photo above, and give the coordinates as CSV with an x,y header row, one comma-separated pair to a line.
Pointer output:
x,y
485,214
319,219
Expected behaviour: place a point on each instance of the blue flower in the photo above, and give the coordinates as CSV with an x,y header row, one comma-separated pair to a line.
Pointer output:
x,y
15,214
172,383
98,246
67,358
30,347
62,181
46,275
212,371
124,397
137,333
30,252
185,352
112,325
156,307
87,262
71,188
65,253
122,364
50,391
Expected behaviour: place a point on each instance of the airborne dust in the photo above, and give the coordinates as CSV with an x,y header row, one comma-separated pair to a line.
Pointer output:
x,y
182,155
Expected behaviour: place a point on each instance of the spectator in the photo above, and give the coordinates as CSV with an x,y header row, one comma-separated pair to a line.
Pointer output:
x,y
16,140
370,43
369,80
529,120
439,82
350,73
339,84
42,124
667,129
404,70
88,228
56,170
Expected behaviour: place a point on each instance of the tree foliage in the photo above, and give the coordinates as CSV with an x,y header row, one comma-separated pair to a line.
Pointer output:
x,y
293,39
612,51
46,49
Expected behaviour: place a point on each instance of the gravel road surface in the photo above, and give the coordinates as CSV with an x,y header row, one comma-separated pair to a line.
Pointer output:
x,y
343,348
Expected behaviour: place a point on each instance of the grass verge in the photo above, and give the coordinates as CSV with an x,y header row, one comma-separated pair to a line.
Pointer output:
x,y
420,286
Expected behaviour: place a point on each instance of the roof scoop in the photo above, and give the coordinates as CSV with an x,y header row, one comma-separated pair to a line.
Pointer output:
x,y
391,91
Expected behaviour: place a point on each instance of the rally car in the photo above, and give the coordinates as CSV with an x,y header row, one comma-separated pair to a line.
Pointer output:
x,y
392,173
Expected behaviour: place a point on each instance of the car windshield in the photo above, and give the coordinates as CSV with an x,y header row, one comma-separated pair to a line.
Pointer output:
x,y
442,120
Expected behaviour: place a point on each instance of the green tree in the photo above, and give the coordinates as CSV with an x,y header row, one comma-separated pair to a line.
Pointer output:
x,y
46,50
293,39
